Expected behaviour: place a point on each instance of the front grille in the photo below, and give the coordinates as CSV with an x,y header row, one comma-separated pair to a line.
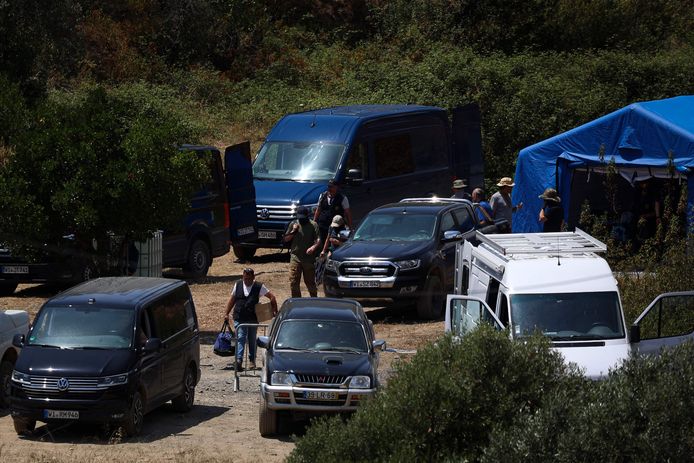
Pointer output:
x,y
367,269
44,384
320,379
42,395
284,213
324,403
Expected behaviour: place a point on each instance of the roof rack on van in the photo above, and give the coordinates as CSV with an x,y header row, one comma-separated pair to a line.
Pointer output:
x,y
576,242
434,199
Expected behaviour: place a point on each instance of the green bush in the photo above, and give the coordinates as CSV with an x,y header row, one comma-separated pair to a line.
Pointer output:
x,y
445,402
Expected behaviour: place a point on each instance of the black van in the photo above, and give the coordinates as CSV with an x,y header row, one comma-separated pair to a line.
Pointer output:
x,y
108,350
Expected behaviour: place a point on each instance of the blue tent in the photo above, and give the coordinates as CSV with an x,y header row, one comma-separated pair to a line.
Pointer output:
x,y
641,138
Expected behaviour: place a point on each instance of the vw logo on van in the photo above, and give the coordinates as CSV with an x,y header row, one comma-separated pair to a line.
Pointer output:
x,y
63,384
264,213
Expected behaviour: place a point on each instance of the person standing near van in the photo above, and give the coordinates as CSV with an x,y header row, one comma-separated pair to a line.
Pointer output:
x,y
459,192
305,241
484,211
501,202
245,294
552,213
331,203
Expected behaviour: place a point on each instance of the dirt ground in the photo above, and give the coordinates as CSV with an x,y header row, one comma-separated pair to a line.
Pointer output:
x,y
223,426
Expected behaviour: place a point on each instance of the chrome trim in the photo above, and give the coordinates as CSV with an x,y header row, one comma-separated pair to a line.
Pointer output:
x,y
50,384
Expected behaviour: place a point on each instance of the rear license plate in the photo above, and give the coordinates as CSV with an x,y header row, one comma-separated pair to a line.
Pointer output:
x,y
267,235
365,284
15,269
320,395
62,414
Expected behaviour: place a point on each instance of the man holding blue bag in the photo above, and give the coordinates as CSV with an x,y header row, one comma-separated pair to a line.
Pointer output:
x,y
245,294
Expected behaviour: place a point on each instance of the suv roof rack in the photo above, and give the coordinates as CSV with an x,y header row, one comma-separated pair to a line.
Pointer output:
x,y
576,242
434,199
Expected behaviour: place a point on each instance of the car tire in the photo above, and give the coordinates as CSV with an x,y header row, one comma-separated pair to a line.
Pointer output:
x,y
87,272
23,426
6,368
7,289
244,253
430,304
184,402
267,419
135,416
199,259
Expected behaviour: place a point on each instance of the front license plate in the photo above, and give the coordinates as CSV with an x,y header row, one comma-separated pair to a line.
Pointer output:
x,y
267,235
320,395
15,269
365,284
62,414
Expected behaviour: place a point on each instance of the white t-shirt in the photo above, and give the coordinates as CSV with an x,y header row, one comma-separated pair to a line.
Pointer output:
x,y
247,290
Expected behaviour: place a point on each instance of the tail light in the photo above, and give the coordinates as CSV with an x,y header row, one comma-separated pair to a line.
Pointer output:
x,y
227,219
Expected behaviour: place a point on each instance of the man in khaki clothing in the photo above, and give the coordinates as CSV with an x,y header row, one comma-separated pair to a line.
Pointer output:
x,y
305,241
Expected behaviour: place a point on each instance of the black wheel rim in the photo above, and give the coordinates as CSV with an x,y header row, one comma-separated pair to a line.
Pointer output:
x,y
199,259
188,389
137,412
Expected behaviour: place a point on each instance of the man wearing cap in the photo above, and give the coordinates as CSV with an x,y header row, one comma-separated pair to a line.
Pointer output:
x,y
330,204
459,192
552,213
501,202
334,240
244,296
305,241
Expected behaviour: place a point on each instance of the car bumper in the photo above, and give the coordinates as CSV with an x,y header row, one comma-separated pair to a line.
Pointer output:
x,y
103,410
292,398
270,235
402,286
36,273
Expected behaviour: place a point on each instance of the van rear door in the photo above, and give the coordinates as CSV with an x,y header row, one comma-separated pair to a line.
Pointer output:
x,y
243,221
666,322
467,144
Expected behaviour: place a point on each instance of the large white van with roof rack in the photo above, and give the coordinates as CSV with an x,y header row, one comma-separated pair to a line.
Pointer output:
x,y
557,284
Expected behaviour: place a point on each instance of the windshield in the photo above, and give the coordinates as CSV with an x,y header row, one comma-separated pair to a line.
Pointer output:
x,y
297,161
396,227
83,328
567,316
321,335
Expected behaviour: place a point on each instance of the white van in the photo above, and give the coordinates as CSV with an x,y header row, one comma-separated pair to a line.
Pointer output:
x,y
555,284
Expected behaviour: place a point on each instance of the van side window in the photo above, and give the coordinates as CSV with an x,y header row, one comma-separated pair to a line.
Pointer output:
x,y
503,309
393,156
429,147
359,159
145,332
465,222
492,292
168,314
466,279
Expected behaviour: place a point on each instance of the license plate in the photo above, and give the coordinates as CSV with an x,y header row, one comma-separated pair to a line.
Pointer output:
x,y
365,284
15,269
267,235
62,414
244,231
320,395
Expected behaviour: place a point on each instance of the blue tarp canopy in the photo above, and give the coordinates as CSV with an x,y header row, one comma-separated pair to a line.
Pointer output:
x,y
641,138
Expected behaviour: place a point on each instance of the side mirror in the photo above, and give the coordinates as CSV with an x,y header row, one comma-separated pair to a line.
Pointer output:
x,y
379,344
451,235
635,334
354,177
152,345
262,342
18,341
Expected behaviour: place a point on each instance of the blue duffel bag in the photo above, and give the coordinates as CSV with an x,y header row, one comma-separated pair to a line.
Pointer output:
x,y
225,344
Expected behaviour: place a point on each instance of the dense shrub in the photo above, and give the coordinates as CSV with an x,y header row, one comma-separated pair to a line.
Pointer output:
x,y
445,402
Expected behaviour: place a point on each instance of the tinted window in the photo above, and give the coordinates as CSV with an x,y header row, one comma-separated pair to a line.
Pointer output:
x,y
393,155
171,314
84,327
429,147
321,335
359,159
447,222
465,222
396,227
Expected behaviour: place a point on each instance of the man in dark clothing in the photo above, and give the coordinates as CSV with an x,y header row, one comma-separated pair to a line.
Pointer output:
x,y
244,296
552,213
330,204
303,248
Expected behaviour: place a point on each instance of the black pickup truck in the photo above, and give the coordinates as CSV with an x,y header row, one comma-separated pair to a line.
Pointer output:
x,y
404,250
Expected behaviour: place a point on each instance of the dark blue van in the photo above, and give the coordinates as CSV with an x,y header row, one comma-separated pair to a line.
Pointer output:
x,y
379,154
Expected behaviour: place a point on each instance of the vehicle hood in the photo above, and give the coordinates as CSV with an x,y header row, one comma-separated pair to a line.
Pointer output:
x,y
596,362
285,193
320,363
42,361
381,249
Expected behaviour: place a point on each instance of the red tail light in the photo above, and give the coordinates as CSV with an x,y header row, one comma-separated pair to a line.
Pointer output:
x,y
227,220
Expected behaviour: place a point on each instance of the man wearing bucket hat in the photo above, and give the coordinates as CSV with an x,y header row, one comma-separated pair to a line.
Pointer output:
x,y
501,202
304,242
552,213
459,192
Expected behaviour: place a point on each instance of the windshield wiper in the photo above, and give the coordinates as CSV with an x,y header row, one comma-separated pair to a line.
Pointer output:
x,y
94,348
579,337
344,349
299,349
51,346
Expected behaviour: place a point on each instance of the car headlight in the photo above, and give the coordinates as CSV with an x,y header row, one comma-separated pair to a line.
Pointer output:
x,y
112,380
281,378
408,264
360,382
332,265
20,378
